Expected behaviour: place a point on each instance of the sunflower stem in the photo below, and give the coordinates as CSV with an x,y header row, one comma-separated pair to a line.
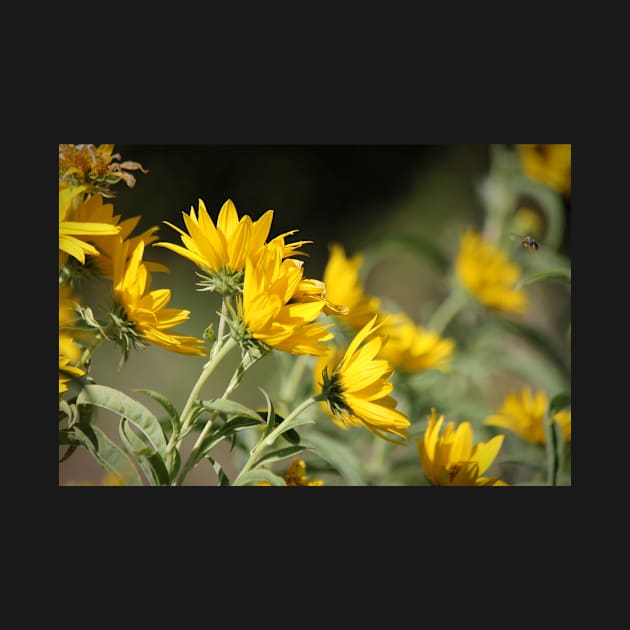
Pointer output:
x,y
551,448
267,440
221,350
376,464
290,385
87,353
193,459
447,310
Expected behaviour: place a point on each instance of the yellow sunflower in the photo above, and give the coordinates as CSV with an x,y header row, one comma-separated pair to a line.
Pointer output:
x,y
357,386
73,233
143,316
524,414
296,475
548,164
221,251
69,350
344,287
411,348
451,459
95,166
486,272
94,210
271,311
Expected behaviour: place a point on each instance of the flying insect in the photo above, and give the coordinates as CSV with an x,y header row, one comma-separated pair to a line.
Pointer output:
x,y
528,242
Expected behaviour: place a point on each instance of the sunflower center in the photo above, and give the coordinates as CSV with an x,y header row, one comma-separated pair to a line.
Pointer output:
x,y
333,390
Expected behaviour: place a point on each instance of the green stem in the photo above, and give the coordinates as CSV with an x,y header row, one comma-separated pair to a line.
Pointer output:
x,y
268,439
193,459
208,369
375,465
445,312
291,384
551,448
87,353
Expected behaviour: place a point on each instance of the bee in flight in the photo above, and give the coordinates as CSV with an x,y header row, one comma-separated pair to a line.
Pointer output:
x,y
527,242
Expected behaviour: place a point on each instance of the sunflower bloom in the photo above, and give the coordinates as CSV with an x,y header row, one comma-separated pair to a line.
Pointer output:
x,y
343,286
72,233
221,251
524,414
311,290
411,348
143,314
69,351
93,210
548,164
486,272
95,166
357,386
67,372
451,459
270,310
296,475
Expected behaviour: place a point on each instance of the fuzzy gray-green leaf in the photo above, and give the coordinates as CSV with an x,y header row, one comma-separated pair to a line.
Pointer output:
x,y
123,405
108,454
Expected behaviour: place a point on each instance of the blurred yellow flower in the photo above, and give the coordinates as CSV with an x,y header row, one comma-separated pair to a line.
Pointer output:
x,y
411,348
357,386
221,250
69,351
95,166
144,316
110,479
269,307
66,371
72,233
343,286
94,210
451,459
549,164
486,272
311,290
524,413
296,475
528,221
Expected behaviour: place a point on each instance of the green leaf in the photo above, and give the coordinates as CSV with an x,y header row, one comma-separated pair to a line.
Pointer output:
x,y
149,460
260,474
123,405
291,435
559,402
536,339
168,406
176,462
223,478
340,457
295,422
226,430
271,414
108,454
562,275
281,453
228,408
71,449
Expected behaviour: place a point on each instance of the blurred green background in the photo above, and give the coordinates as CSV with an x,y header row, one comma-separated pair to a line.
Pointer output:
x,y
351,195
